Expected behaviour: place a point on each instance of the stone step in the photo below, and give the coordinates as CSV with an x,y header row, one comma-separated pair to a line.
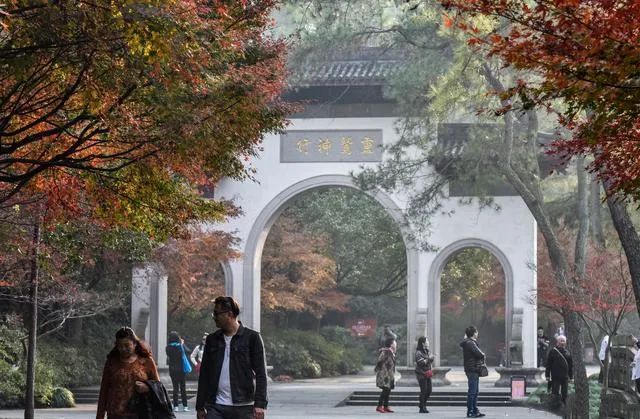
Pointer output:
x,y
437,398
90,395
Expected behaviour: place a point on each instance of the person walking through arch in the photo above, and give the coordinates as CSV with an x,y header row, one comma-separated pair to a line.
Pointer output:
x,y
474,360
179,367
385,373
233,373
129,364
424,372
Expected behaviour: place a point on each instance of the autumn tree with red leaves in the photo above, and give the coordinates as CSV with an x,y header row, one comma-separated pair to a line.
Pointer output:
x,y
602,299
587,54
114,115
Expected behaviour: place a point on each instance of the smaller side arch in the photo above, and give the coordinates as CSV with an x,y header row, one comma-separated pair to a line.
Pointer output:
x,y
435,273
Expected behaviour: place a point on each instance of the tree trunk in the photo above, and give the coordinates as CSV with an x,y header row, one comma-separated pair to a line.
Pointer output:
x,y
573,329
630,242
582,237
572,321
528,187
597,231
33,327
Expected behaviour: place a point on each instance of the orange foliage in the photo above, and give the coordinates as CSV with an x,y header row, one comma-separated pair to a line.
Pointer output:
x,y
296,276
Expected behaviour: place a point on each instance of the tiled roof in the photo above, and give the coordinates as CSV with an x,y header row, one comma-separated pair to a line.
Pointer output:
x,y
346,72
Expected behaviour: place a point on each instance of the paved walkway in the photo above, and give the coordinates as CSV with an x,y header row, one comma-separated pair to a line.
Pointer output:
x,y
317,399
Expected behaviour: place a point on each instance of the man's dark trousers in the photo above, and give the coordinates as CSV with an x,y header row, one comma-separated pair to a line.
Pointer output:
x,y
473,378
560,387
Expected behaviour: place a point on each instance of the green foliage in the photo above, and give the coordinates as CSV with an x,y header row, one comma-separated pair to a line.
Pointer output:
x,y
365,242
44,383
11,386
62,397
293,360
10,342
70,365
303,354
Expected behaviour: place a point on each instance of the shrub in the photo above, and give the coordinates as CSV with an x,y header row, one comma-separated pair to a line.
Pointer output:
x,y
11,386
291,359
70,366
305,354
62,397
44,383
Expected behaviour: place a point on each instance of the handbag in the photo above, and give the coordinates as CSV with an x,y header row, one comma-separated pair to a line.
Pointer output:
x,y
428,373
484,371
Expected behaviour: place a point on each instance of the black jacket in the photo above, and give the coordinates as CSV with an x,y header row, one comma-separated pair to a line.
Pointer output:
x,y
247,368
156,403
557,367
174,358
472,355
424,362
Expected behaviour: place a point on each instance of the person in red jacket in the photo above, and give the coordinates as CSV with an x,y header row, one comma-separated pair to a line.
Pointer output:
x,y
128,366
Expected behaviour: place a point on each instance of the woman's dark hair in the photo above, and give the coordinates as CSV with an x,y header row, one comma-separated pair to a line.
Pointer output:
x,y
174,337
470,331
421,344
142,349
388,342
228,303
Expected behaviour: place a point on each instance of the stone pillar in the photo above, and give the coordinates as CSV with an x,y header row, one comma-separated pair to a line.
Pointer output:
x,y
149,308
621,400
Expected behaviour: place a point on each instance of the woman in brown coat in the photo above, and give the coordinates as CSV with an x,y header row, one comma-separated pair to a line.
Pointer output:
x,y
385,370
128,366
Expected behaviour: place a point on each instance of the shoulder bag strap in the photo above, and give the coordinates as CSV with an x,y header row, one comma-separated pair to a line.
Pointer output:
x,y
562,356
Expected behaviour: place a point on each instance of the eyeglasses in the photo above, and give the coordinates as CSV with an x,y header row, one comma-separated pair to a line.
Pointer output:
x,y
217,313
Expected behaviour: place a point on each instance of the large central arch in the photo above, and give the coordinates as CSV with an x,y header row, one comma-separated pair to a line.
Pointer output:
x,y
251,267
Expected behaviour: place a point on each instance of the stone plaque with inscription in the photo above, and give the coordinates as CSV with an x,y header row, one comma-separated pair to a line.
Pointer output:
x,y
315,146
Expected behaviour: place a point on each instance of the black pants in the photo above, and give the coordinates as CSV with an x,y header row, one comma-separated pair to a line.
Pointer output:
x,y
384,397
560,387
425,390
218,411
178,381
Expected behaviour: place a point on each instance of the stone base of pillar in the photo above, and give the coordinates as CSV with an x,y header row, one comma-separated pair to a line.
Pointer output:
x,y
408,377
533,376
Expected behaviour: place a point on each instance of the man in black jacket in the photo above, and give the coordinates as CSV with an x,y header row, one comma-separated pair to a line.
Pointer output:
x,y
559,368
473,361
233,373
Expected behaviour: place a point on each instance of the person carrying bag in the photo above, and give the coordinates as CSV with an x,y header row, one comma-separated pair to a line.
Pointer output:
x,y
424,372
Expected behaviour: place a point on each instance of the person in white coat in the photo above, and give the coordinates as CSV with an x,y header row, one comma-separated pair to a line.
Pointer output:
x,y
602,355
198,353
635,371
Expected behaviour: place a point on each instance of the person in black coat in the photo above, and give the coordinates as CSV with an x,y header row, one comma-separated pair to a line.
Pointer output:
x,y
543,347
424,372
559,368
473,361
